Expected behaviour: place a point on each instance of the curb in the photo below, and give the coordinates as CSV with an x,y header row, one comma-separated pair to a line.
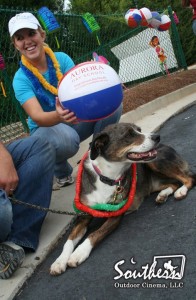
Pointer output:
x,y
158,111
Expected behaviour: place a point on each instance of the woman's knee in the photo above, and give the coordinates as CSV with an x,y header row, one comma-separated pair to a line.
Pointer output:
x,y
62,137
115,117
112,119
68,144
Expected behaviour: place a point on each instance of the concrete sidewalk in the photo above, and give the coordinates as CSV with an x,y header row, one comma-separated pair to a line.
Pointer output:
x,y
150,117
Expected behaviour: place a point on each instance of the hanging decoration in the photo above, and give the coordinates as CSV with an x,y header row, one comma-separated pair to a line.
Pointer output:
x,y
48,21
160,53
91,25
2,67
144,17
100,58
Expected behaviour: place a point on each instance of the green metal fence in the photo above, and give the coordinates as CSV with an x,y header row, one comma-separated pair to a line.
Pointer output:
x,y
126,49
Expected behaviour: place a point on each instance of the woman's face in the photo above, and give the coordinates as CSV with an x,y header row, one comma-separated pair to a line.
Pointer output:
x,y
29,42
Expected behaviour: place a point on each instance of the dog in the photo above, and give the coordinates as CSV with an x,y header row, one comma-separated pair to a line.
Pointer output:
x,y
107,167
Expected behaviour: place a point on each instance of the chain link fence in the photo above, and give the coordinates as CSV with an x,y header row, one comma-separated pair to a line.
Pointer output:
x,y
127,50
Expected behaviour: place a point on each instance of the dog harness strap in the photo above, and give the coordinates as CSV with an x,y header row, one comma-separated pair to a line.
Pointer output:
x,y
105,179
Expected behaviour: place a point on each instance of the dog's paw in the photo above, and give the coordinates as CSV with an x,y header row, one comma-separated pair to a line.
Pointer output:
x,y
163,195
60,264
161,199
81,253
58,267
181,192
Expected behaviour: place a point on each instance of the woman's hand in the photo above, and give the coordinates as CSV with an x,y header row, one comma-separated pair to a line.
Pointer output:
x,y
48,118
8,175
64,114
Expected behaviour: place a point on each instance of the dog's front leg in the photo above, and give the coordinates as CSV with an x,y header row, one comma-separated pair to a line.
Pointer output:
x,y
79,230
83,251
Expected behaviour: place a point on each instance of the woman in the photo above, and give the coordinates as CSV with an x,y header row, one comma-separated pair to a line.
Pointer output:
x,y
35,86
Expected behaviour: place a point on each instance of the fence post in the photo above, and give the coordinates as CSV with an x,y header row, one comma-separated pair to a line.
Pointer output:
x,y
180,53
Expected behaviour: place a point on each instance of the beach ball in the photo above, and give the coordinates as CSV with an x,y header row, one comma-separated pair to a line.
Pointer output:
x,y
92,90
133,17
146,16
165,23
155,22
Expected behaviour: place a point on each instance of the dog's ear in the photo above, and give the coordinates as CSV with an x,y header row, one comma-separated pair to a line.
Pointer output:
x,y
98,144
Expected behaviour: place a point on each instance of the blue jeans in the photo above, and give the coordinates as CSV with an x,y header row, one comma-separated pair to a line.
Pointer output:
x,y
34,160
5,215
86,129
66,139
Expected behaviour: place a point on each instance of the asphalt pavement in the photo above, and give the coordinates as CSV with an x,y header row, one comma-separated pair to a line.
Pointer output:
x,y
150,256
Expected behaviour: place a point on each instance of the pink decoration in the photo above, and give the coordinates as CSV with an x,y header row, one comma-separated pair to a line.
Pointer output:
x,y
2,63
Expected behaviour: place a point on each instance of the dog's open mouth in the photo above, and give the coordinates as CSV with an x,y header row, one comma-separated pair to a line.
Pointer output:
x,y
143,156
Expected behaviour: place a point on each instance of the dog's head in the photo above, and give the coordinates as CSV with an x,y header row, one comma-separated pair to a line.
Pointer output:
x,y
124,142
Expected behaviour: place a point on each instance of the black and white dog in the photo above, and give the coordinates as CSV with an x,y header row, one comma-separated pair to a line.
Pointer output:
x,y
159,169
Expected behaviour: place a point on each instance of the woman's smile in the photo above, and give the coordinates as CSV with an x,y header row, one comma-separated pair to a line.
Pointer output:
x,y
29,42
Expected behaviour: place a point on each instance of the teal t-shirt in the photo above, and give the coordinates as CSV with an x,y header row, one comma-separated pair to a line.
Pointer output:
x,y
24,89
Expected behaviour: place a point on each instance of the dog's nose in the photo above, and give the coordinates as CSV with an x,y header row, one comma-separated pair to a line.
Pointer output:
x,y
155,137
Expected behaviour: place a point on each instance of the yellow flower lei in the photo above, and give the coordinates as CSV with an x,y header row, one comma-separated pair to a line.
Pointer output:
x,y
39,76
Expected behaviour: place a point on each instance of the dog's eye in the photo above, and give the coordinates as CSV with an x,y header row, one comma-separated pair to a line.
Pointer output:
x,y
130,132
139,129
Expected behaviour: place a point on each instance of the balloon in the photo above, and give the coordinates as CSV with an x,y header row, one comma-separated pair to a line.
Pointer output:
x,y
133,17
165,23
92,90
128,14
156,20
146,16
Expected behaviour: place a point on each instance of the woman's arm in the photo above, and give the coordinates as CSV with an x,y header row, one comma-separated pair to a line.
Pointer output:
x,y
46,119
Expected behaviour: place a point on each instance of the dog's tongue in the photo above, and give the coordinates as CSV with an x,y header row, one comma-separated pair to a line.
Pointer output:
x,y
143,155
